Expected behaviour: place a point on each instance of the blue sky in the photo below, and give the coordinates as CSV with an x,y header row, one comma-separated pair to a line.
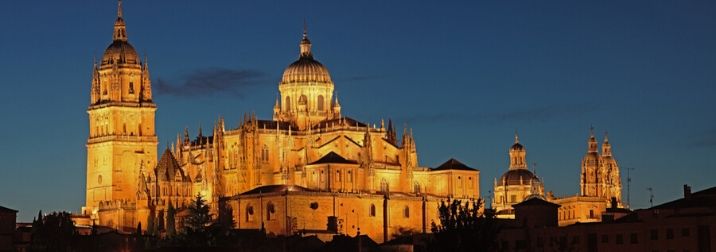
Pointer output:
x,y
464,75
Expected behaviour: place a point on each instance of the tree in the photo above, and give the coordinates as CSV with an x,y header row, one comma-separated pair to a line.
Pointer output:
x,y
197,230
463,227
53,232
151,227
171,223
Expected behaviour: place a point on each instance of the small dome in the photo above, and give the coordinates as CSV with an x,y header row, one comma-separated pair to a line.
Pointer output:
x,y
513,177
306,70
120,52
517,146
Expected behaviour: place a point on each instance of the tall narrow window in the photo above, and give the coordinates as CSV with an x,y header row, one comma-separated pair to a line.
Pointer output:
x,y
406,212
270,211
372,210
288,103
302,100
131,87
320,103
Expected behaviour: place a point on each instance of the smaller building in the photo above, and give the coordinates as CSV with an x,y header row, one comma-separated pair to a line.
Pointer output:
x,y
8,218
686,224
517,184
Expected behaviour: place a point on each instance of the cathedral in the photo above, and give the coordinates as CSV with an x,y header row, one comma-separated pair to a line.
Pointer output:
x,y
310,169
600,185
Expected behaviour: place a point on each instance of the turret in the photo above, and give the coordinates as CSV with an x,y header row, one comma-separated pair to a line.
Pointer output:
x,y
518,155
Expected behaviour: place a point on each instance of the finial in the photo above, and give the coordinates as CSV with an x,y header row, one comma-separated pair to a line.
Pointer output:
x,y
606,136
517,137
591,130
119,8
305,45
305,29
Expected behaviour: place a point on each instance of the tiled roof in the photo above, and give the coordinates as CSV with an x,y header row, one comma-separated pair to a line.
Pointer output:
x,y
535,201
168,168
276,188
333,158
350,121
453,164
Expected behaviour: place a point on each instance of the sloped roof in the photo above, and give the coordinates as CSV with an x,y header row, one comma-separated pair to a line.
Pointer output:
x,y
453,164
168,168
276,188
349,121
703,198
7,210
333,158
535,201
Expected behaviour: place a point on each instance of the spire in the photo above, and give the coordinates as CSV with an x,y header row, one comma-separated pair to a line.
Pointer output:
x,y
305,45
606,146
119,8
517,137
120,29
592,142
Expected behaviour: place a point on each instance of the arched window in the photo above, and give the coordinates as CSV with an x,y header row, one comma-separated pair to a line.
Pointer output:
x,y
384,185
320,103
371,211
270,211
249,213
131,87
302,100
288,103
265,154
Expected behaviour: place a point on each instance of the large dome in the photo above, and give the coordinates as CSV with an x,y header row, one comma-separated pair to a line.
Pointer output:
x,y
120,52
306,70
514,177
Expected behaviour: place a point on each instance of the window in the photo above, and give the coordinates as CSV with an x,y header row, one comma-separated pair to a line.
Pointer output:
x,y
99,179
270,211
591,214
320,101
513,198
654,234
249,213
265,154
131,87
620,239
371,211
633,239
302,100
670,234
288,103
406,212
350,176
338,176
383,185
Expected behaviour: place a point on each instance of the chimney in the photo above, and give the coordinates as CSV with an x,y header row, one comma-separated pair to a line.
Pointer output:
x,y
687,191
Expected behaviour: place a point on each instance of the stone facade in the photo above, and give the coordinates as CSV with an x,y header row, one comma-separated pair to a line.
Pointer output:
x,y
337,162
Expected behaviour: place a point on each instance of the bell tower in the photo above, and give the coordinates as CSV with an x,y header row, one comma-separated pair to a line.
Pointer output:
x,y
121,123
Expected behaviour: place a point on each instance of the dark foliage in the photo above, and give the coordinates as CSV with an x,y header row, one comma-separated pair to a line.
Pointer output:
x,y
463,227
53,232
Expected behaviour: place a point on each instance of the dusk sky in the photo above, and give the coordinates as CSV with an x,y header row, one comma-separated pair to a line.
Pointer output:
x,y
464,75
